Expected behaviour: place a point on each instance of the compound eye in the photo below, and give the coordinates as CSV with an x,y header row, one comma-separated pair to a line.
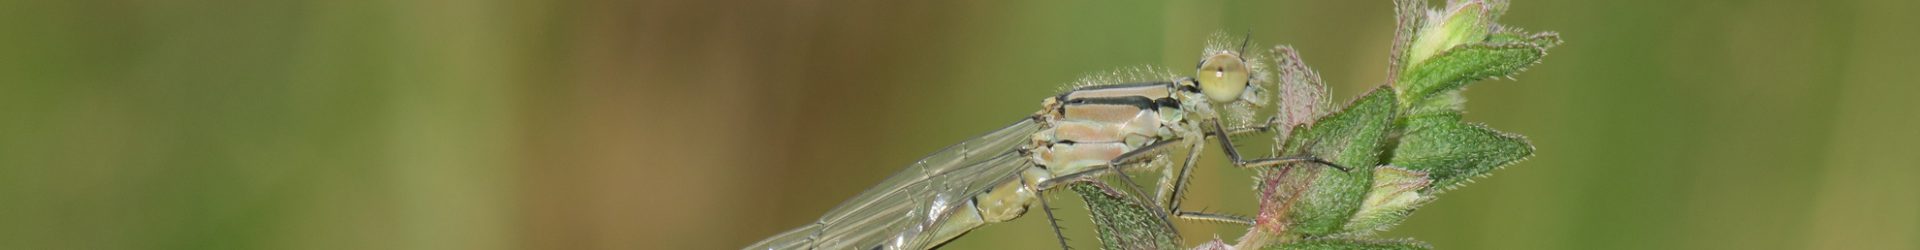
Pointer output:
x,y
1222,76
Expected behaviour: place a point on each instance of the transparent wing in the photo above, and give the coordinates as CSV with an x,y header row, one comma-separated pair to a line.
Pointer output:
x,y
798,238
897,213
905,217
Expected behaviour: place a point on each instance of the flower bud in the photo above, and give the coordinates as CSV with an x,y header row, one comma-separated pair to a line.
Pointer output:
x,y
1461,22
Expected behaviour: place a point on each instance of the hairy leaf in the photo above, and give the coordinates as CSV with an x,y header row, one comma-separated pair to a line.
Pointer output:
x,y
1452,152
1303,97
1317,199
1396,192
1123,223
1409,16
1450,101
1352,244
1462,22
1516,35
1455,68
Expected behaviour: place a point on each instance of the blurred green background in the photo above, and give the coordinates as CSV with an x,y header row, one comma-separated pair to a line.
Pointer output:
x,y
409,124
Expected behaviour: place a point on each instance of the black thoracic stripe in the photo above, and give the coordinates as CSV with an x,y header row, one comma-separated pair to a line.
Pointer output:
x,y
1167,102
1122,85
1189,89
1141,102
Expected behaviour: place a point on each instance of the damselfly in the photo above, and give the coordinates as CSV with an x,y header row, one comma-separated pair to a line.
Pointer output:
x,y
1081,134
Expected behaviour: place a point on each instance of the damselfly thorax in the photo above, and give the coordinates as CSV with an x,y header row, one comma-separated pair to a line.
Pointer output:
x,y
1078,135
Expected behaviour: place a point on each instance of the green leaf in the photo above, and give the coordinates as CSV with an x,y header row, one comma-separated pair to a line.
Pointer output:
x,y
1515,35
1351,244
1319,200
1451,151
1454,69
1123,223
1409,16
1396,192
1303,96
1448,102
1460,23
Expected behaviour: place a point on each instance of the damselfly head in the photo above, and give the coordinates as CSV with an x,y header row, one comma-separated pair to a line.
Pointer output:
x,y
1223,75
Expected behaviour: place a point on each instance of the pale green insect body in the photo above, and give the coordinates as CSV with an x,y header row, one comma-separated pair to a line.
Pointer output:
x,y
997,176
